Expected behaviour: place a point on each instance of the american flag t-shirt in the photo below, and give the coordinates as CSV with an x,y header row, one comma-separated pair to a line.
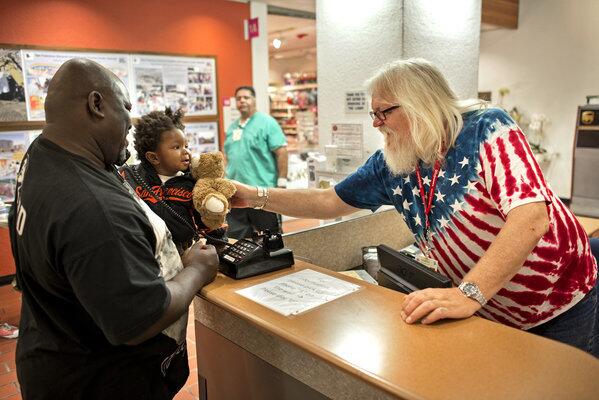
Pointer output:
x,y
488,172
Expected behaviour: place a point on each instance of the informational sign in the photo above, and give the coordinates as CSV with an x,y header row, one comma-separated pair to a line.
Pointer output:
x,y
350,146
230,112
253,28
177,82
13,146
202,137
298,292
356,102
39,66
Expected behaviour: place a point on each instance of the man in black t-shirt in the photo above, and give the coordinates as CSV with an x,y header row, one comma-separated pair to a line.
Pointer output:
x,y
104,300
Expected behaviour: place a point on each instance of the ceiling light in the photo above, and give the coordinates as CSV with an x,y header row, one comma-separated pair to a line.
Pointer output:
x,y
276,43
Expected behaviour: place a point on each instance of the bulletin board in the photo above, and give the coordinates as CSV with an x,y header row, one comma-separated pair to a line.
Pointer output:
x,y
154,81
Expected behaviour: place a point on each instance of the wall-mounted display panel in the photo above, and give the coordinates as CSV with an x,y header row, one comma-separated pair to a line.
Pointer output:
x,y
12,89
154,81
39,66
202,137
13,145
178,82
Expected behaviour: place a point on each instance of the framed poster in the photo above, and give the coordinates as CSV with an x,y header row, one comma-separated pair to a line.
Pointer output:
x,y
177,82
202,137
12,90
39,66
154,81
13,145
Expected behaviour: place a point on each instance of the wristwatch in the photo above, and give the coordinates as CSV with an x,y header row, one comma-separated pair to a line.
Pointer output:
x,y
472,291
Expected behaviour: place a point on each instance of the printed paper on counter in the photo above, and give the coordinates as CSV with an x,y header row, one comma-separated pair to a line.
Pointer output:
x,y
298,292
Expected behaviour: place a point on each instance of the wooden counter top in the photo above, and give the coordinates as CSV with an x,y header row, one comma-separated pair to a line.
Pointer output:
x,y
363,335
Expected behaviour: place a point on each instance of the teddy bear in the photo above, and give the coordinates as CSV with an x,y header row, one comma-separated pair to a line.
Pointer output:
x,y
211,192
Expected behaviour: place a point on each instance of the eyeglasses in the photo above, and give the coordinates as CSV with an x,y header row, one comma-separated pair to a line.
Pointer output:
x,y
381,115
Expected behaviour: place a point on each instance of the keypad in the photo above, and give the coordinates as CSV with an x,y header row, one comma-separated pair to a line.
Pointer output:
x,y
239,250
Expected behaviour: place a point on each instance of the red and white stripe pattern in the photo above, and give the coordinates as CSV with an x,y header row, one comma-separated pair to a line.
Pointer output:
x,y
474,196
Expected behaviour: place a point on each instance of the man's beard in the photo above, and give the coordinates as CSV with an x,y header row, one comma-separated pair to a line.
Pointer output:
x,y
400,152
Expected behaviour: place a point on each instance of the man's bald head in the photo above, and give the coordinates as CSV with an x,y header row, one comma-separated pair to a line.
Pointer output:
x,y
70,87
87,112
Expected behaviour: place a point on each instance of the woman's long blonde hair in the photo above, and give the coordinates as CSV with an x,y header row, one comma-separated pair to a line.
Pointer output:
x,y
432,108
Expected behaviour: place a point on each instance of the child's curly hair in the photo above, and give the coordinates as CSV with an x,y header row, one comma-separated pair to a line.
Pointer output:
x,y
150,126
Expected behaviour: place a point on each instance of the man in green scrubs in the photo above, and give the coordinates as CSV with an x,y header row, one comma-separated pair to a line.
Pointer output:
x,y
256,151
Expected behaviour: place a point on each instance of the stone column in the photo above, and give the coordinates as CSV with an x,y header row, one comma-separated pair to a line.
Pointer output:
x,y
260,57
354,38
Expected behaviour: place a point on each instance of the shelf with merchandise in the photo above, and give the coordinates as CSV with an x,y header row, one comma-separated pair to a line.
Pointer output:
x,y
292,88
284,107
295,109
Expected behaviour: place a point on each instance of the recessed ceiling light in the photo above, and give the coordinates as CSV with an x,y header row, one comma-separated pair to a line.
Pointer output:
x,y
276,43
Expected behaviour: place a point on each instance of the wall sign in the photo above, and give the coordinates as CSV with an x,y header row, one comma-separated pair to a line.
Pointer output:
x,y
350,146
356,102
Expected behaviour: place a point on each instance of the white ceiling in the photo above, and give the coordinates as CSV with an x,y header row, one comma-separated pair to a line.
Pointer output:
x,y
298,36
288,28
304,5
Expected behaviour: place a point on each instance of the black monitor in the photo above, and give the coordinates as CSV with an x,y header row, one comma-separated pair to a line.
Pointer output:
x,y
401,272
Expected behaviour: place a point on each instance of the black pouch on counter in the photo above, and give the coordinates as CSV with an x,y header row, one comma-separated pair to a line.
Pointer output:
x,y
403,273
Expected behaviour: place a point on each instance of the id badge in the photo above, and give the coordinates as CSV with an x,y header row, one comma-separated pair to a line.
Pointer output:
x,y
237,134
429,262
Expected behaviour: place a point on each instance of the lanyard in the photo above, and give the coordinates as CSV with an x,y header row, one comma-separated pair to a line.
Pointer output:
x,y
427,202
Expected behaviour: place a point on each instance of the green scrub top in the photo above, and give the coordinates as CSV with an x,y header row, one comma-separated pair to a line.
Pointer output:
x,y
249,150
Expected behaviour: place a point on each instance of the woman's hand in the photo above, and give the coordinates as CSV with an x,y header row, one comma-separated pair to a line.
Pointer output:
x,y
430,305
245,196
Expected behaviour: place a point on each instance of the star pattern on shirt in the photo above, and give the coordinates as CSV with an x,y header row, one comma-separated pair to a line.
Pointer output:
x,y
417,220
397,191
455,179
471,185
457,206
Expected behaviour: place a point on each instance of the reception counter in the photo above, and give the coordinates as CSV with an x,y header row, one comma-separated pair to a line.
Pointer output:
x,y
357,347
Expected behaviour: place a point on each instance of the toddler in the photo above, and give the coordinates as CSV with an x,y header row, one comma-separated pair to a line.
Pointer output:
x,y
162,178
